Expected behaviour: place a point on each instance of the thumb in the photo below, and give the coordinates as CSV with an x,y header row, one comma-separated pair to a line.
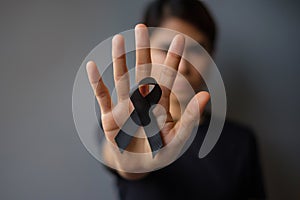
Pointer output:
x,y
191,116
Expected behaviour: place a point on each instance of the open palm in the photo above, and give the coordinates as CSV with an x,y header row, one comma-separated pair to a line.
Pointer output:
x,y
138,156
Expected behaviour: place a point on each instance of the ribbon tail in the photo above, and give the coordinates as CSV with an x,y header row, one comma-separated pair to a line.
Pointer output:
x,y
122,138
153,135
155,143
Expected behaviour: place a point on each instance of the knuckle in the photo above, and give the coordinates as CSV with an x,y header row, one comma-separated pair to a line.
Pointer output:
x,y
174,56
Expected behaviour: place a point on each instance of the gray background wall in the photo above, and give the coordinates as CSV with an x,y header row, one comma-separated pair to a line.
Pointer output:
x,y
42,44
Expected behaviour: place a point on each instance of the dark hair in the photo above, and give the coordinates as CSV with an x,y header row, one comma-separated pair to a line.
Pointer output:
x,y
192,11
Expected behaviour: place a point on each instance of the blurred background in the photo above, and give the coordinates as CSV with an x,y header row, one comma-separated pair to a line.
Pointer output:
x,y
42,44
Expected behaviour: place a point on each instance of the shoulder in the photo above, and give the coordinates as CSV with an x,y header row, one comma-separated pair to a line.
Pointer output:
x,y
238,132
236,139
232,130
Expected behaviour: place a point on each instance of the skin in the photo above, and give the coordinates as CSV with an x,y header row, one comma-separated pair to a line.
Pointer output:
x,y
189,72
175,130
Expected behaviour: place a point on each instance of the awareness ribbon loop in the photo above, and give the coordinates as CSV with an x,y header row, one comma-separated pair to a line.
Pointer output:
x,y
142,115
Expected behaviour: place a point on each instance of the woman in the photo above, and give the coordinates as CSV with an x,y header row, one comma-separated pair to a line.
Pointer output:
x,y
230,171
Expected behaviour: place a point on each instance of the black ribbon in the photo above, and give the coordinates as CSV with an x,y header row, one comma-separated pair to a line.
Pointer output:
x,y
142,115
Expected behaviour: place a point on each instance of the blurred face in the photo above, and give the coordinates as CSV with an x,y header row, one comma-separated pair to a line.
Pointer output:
x,y
192,52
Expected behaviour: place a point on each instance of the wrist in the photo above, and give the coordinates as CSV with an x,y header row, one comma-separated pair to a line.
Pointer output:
x,y
132,176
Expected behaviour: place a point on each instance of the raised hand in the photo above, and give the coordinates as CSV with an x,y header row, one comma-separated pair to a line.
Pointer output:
x,y
137,160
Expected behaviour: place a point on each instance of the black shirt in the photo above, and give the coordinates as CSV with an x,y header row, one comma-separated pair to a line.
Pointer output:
x,y
230,171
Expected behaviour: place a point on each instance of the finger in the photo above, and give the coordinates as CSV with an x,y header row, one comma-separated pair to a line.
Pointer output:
x,y
190,117
120,69
143,56
172,61
100,90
